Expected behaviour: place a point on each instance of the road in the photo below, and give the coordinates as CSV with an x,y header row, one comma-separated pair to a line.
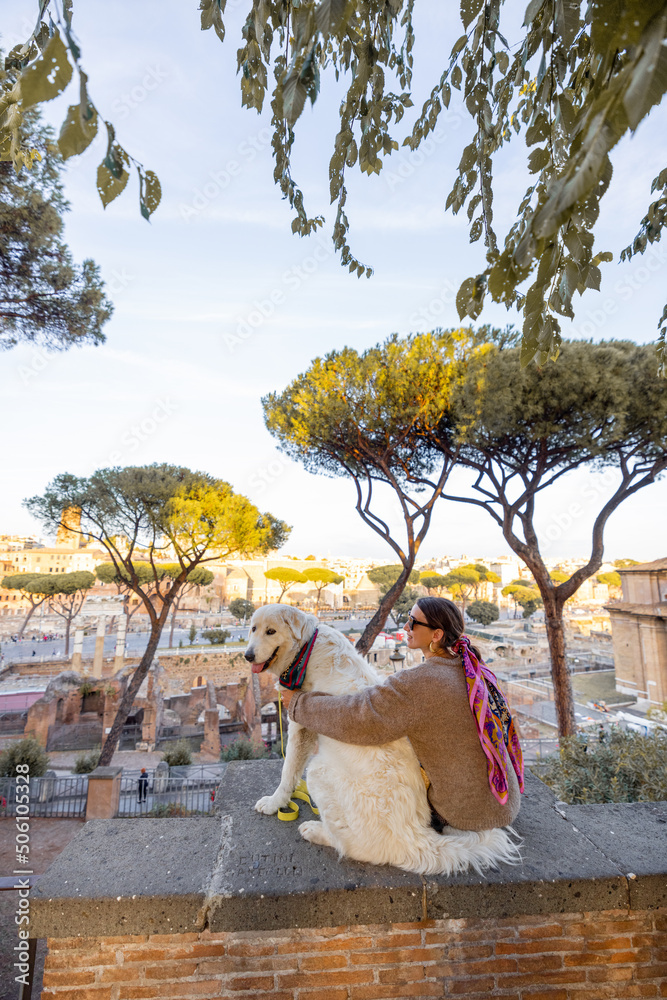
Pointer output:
x,y
135,643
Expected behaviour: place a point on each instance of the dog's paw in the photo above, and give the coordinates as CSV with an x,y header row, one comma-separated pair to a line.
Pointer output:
x,y
270,804
314,832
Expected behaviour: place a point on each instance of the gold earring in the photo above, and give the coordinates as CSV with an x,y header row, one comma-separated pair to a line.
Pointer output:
x,y
430,646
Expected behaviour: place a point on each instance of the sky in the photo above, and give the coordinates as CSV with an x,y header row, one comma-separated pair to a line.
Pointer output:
x,y
218,304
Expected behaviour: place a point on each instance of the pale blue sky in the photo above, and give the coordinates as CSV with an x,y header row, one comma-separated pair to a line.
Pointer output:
x,y
178,380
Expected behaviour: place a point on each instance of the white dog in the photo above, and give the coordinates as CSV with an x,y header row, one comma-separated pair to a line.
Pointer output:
x,y
372,800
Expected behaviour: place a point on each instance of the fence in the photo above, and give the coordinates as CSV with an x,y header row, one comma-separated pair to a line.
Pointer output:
x,y
51,797
12,723
538,749
183,791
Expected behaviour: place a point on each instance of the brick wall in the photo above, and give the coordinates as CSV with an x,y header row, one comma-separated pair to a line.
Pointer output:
x,y
614,954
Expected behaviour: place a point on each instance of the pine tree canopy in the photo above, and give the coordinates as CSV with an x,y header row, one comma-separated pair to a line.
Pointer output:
x,y
45,297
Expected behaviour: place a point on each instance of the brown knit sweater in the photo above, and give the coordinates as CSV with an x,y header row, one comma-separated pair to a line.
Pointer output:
x,y
429,705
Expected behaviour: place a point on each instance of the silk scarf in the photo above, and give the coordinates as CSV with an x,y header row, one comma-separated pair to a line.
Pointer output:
x,y
495,727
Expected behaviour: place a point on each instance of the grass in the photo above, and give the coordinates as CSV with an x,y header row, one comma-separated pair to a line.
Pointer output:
x,y
598,685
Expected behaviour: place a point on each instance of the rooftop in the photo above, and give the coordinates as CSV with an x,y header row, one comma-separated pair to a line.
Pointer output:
x,y
657,564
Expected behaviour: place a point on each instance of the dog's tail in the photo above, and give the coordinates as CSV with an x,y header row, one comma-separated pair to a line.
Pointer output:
x,y
455,851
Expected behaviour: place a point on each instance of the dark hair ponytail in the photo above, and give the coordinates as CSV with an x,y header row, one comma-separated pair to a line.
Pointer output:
x,y
443,614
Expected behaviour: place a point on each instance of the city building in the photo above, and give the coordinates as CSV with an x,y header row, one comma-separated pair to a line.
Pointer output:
x,y
639,633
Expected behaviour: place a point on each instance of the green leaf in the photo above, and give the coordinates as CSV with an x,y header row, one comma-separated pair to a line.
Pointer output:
x,y
109,186
568,20
294,96
152,191
211,16
469,10
649,79
77,132
329,14
531,11
538,159
459,44
115,160
47,76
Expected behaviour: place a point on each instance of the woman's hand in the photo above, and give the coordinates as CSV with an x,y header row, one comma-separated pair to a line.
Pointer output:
x,y
286,696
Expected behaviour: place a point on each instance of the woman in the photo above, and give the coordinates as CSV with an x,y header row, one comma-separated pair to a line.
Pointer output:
x,y
452,712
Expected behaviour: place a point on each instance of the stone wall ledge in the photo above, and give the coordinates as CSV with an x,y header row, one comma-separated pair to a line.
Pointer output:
x,y
239,870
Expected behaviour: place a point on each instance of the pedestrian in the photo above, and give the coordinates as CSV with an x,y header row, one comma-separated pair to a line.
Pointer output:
x,y
143,785
452,711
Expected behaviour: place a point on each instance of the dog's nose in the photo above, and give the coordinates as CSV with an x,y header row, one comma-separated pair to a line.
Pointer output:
x,y
249,655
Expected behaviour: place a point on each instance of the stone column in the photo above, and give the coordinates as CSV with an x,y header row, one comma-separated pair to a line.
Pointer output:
x,y
149,722
98,659
103,793
78,650
211,744
120,643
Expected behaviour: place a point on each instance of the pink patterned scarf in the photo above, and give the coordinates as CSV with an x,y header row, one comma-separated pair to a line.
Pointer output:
x,y
495,727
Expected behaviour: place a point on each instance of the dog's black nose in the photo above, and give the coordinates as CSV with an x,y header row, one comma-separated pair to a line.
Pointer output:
x,y
249,655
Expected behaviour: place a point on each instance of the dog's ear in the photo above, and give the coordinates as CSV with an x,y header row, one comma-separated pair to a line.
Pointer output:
x,y
298,622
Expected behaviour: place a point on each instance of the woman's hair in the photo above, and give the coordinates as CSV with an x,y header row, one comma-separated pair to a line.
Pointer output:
x,y
444,614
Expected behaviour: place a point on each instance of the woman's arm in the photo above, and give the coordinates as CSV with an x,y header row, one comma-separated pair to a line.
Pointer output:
x,y
370,717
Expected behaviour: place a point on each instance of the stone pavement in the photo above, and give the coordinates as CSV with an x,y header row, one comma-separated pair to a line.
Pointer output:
x,y
244,871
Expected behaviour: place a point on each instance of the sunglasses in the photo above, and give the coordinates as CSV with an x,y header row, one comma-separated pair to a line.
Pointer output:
x,y
411,622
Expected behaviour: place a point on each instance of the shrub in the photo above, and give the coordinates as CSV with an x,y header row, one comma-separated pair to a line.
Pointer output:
x,y
27,751
483,612
244,749
179,754
614,766
216,636
87,762
168,810
240,608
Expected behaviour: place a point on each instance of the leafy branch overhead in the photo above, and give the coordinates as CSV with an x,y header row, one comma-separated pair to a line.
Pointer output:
x,y
40,70
580,77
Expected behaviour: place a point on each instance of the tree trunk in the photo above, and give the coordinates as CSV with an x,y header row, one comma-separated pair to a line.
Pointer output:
x,y
68,625
33,608
564,700
379,619
127,700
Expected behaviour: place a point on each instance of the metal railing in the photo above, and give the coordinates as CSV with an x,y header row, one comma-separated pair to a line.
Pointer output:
x,y
537,749
167,795
50,797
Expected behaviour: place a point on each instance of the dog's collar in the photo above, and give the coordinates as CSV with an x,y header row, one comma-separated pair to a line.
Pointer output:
x,y
295,674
